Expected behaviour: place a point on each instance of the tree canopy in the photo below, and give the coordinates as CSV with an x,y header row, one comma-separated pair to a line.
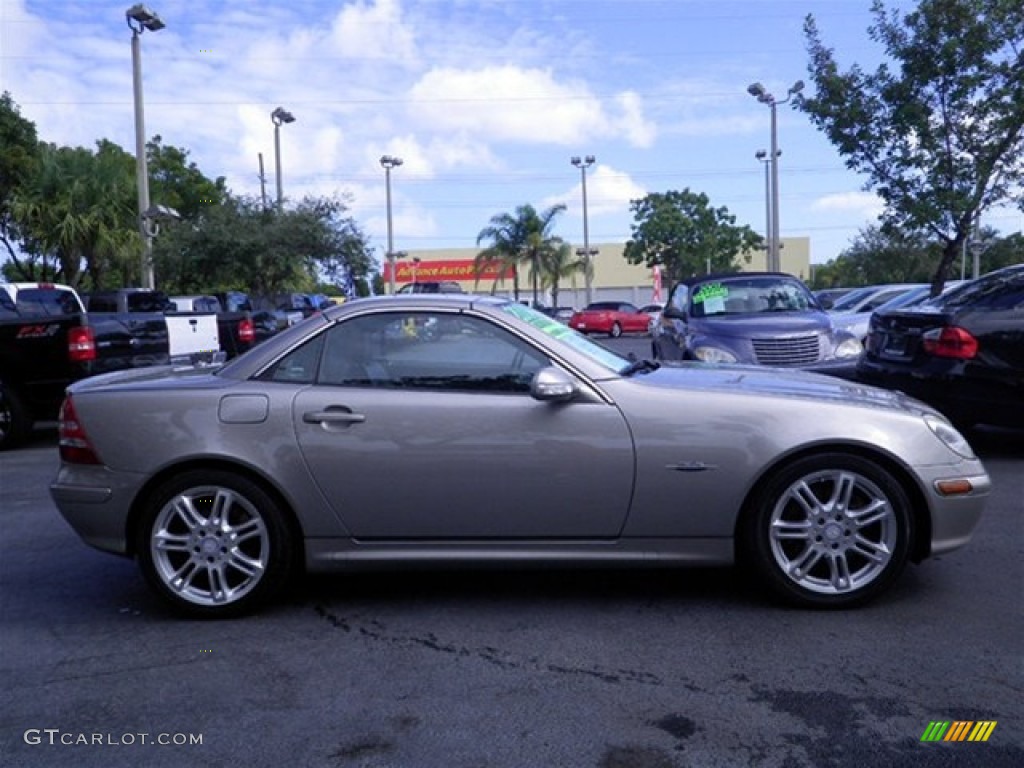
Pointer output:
x,y
525,238
71,214
682,233
939,128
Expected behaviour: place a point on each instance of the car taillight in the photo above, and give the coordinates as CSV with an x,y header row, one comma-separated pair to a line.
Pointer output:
x,y
246,331
75,447
81,344
950,341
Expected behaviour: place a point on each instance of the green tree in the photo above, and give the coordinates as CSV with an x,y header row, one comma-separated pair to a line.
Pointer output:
x,y
520,238
878,255
940,135
76,214
683,234
560,263
178,183
19,156
238,245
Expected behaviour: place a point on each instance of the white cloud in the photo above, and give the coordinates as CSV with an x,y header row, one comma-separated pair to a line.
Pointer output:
x,y
527,105
609,192
866,204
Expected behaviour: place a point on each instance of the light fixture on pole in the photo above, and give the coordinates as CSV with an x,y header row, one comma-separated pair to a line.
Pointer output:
x,y
769,236
141,18
758,92
587,253
279,117
387,163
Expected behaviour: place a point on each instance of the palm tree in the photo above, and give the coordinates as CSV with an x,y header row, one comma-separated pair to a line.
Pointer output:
x,y
79,208
558,263
524,237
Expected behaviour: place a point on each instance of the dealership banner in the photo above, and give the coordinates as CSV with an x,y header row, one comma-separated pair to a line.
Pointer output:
x,y
446,269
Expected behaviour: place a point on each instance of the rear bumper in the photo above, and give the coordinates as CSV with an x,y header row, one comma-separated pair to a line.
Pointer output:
x,y
96,503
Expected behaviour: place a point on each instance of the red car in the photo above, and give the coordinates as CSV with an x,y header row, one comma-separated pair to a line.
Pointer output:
x,y
612,317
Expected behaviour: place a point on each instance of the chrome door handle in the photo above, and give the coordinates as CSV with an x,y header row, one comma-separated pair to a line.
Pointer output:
x,y
333,417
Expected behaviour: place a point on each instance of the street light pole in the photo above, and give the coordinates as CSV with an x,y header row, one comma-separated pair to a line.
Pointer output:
x,y
279,116
588,254
388,162
139,19
758,91
769,236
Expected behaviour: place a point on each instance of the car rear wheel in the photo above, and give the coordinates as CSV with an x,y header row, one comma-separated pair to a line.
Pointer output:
x,y
214,544
15,421
829,531
616,331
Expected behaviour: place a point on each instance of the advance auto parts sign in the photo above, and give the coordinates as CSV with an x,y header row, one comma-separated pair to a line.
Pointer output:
x,y
446,269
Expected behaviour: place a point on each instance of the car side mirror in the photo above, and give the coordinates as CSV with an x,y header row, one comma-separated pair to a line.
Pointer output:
x,y
673,312
552,384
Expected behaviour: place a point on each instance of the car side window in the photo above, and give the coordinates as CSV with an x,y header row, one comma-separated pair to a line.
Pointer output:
x,y
679,298
429,351
299,366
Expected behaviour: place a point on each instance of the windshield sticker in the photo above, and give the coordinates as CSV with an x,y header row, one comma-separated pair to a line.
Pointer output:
x,y
712,296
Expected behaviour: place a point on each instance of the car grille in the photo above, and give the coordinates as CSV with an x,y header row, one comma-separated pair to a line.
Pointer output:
x,y
795,350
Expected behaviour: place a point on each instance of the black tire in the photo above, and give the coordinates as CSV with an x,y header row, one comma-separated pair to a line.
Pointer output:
x,y
15,420
616,331
226,545
841,544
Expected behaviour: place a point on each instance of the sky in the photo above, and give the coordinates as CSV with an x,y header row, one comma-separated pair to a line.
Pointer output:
x,y
485,102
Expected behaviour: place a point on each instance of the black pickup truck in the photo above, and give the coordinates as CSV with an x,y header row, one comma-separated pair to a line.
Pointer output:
x,y
46,343
147,319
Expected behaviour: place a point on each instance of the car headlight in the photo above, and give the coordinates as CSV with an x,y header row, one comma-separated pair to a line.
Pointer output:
x,y
714,355
948,434
849,348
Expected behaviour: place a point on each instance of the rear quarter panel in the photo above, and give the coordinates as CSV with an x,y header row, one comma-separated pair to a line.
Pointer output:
x,y
148,430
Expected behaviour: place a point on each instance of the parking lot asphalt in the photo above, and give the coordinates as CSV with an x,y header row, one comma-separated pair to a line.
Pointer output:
x,y
609,669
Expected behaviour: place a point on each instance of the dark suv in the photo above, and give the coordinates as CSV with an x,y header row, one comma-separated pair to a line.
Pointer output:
x,y
962,352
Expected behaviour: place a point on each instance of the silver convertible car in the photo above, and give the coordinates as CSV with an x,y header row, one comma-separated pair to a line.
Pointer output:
x,y
448,429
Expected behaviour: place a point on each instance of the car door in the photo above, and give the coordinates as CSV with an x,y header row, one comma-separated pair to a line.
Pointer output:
x,y
421,425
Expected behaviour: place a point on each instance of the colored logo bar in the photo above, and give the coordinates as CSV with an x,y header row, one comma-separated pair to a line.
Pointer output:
x,y
959,730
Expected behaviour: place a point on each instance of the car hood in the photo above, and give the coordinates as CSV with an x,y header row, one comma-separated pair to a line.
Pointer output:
x,y
775,382
762,324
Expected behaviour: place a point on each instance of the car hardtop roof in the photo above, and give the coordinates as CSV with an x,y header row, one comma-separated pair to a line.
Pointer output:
x,y
720,276
419,300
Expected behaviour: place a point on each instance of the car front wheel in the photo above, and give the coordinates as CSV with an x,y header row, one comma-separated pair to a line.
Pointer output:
x,y
829,531
616,331
214,544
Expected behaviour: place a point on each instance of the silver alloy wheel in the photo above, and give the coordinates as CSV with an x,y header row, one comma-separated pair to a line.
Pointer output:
x,y
210,545
833,532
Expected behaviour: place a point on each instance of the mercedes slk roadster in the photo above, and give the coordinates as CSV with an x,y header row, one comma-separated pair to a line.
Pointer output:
x,y
456,430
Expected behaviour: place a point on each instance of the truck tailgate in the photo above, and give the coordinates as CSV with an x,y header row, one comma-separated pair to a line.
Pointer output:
x,y
192,335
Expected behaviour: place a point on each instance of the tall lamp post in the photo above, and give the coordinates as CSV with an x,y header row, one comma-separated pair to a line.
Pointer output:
x,y
387,163
758,92
586,253
141,18
279,116
769,236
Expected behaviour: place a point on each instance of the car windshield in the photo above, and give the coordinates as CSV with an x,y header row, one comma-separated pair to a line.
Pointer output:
x,y
749,295
567,335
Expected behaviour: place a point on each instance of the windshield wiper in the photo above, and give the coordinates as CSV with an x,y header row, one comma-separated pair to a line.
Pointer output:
x,y
640,366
